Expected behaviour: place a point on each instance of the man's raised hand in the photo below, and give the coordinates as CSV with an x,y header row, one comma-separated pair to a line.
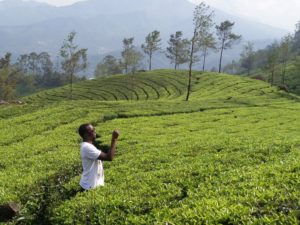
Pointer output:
x,y
115,134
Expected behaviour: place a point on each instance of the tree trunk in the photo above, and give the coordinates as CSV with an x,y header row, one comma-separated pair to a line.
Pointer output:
x,y
190,68
272,76
191,65
150,61
220,63
189,84
204,59
283,72
126,69
71,82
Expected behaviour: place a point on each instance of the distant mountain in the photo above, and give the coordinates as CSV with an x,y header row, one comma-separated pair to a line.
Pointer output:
x,y
102,24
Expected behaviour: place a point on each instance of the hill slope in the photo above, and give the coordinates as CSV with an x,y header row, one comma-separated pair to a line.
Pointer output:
x,y
229,155
160,84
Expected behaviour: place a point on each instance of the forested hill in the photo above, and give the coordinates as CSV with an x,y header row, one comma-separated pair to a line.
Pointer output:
x,y
278,63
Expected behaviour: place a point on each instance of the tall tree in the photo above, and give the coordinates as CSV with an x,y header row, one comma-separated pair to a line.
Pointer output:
x,y
5,62
178,50
38,66
247,57
23,62
131,56
45,64
49,78
8,78
272,61
296,39
296,69
33,63
74,59
126,53
202,21
208,42
152,44
285,50
226,38
109,66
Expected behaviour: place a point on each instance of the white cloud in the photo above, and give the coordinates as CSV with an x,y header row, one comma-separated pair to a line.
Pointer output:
x,y
58,2
278,13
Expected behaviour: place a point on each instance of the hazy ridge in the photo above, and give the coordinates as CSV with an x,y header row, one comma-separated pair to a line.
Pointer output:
x,y
101,25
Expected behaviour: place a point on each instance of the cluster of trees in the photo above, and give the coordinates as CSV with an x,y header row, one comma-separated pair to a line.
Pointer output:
x,y
277,62
36,71
180,50
8,77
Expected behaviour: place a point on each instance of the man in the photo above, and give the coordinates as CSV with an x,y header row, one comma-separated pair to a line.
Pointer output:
x,y
93,175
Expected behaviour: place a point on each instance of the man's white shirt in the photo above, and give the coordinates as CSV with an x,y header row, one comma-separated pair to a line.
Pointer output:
x,y
93,174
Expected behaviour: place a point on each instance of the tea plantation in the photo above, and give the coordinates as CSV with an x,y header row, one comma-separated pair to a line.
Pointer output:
x,y
230,155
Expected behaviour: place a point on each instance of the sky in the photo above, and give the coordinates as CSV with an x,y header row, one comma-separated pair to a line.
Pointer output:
x,y
278,13
59,2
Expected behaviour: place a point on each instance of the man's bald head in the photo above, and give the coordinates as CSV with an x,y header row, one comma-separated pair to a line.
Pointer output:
x,y
84,130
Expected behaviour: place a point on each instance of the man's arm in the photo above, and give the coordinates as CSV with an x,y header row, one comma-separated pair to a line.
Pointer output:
x,y
110,155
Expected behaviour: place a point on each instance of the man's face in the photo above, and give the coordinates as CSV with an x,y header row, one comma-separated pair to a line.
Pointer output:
x,y
91,132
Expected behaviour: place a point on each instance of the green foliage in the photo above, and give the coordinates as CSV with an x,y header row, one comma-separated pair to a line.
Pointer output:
x,y
108,66
208,42
5,61
230,155
37,73
247,57
296,39
226,38
131,57
34,72
284,55
202,24
178,50
277,63
39,65
152,44
74,59
8,78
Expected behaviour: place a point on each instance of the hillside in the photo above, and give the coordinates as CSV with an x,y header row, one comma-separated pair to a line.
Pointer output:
x,y
228,156
292,79
160,84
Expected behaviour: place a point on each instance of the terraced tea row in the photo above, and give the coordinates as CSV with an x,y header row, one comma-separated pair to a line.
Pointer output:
x,y
42,144
160,84
59,156
208,160
152,85
198,168
225,86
